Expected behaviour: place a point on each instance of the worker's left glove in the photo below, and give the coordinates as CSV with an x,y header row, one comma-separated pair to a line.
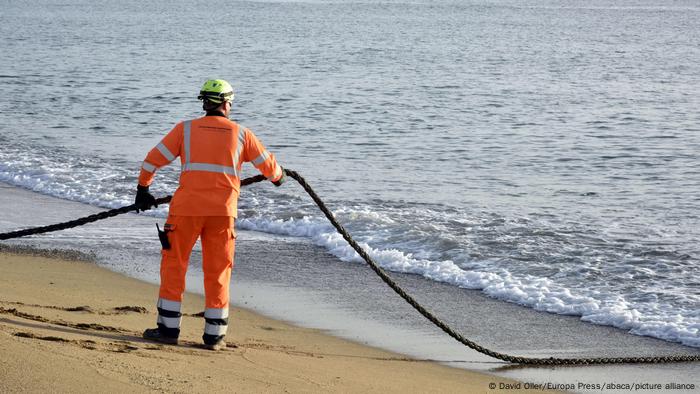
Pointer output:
x,y
144,199
280,181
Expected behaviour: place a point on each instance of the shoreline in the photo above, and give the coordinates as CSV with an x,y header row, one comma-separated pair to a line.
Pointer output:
x,y
71,326
304,286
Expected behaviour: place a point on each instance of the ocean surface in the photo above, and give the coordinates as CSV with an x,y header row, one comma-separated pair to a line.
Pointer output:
x,y
543,152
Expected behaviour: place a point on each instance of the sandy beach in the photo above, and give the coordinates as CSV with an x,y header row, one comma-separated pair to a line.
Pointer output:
x,y
71,326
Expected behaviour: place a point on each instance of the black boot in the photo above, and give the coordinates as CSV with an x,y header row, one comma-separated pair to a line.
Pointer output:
x,y
154,334
216,345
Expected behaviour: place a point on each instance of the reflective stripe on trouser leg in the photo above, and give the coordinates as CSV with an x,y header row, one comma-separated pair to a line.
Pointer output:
x,y
169,317
218,243
215,324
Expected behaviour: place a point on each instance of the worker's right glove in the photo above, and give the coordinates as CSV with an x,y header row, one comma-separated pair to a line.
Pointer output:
x,y
280,181
144,200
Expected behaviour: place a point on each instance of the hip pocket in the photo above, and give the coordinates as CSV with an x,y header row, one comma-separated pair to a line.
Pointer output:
x,y
163,235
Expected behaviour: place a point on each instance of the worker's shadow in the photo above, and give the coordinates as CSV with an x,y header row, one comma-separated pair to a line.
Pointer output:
x,y
109,335
119,337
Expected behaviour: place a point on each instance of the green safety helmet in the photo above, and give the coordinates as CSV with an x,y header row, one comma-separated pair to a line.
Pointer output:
x,y
216,91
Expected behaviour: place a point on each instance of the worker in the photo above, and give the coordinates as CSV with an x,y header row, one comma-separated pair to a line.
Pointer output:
x,y
211,150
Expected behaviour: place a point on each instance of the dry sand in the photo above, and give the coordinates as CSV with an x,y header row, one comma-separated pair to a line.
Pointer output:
x,y
70,326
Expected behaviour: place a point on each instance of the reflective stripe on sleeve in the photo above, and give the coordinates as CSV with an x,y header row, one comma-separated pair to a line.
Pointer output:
x,y
261,159
215,313
168,305
148,167
170,322
210,168
276,174
241,134
165,151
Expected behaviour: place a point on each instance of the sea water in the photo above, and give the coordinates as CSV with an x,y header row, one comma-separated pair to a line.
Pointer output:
x,y
543,152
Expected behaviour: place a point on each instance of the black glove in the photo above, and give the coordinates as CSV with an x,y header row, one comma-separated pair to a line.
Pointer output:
x,y
144,199
282,179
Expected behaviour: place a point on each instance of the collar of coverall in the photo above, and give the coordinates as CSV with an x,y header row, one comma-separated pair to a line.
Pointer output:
x,y
215,113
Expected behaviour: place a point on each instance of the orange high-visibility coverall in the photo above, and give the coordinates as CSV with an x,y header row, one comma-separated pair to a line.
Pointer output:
x,y
212,150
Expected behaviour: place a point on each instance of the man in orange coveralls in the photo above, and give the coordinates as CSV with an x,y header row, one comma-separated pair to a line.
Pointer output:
x,y
211,150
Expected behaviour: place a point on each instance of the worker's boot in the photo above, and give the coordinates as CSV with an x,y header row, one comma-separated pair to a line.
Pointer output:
x,y
218,345
154,334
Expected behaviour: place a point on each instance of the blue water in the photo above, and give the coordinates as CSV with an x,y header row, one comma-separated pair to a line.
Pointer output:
x,y
545,152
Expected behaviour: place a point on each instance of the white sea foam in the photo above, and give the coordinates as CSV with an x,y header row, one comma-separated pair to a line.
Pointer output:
x,y
70,179
536,292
